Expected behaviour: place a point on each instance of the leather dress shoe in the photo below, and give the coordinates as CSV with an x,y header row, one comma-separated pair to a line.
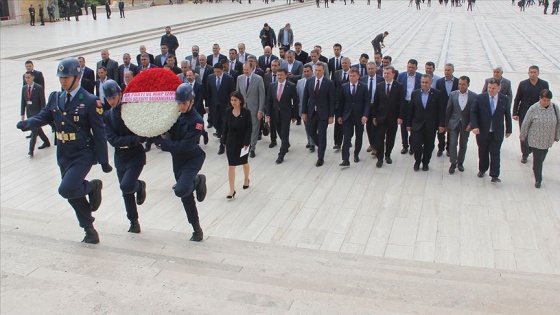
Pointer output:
x,y
272,144
141,194
134,227
320,162
95,194
416,167
45,145
452,169
379,163
440,153
252,154
336,147
356,159
28,136
369,149
537,184
460,168
404,151
447,153
345,163
209,126
30,153
147,148
221,150
307,146
197,236
523,159
495,180
205,137
312,149
279,160
425,167
480,174
91,236
201,188
411,152
217,135
388,160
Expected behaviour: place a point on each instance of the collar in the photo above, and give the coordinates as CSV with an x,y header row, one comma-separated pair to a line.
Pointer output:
x,y
31,86
74,92
427,92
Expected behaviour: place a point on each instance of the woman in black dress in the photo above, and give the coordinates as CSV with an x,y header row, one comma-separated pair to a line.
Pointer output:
x,y
237,136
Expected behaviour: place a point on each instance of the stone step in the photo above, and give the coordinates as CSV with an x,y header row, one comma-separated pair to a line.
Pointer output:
x,y
310,279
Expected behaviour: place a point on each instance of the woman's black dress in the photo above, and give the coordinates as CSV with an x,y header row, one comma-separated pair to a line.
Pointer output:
x,y
237,134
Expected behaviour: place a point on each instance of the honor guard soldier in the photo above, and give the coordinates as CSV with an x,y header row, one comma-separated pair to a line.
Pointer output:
x,y
130,157
77,116
187,156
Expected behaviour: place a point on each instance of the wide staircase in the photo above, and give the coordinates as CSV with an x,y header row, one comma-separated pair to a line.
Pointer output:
x,y
46,270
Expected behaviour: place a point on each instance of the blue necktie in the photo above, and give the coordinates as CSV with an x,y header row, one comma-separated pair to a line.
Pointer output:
x,y
492,105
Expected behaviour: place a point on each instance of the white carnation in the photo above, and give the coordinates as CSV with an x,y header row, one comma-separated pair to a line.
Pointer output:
x,y
150,119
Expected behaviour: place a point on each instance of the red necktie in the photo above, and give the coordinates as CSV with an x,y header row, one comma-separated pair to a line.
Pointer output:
x,y
279,93
317,86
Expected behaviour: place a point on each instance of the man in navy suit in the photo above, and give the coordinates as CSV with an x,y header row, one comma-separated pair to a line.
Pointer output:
x,y
282,105
352,112
37,75
161,59
198,91
215,57
425,118
266,59
234,64
32,101
488,113
446,85
88,76
218,89
410,80
318,109
335,63
370,81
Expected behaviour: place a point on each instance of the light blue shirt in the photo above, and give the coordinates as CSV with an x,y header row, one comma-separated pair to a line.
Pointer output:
x,y
286,39
449,85
425,98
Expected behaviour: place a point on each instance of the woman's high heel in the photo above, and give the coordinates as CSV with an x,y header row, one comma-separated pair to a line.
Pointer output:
x,y
246,186
231,196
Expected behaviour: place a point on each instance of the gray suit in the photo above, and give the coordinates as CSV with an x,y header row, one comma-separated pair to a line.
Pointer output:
x,y
112,69
297,69
254,100
281,37
300,87
457,121
505,88
325,65
184,80
194,63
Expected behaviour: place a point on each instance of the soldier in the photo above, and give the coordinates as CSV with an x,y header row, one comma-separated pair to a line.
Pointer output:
x,y
187,156
130,157
77,116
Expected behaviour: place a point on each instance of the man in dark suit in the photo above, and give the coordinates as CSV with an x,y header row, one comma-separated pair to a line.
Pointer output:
x,y
527,95
339,78
362,65
234,64
145,63
488,113
322,58
281,107
266,59
352,112
300,55
32,101
215,57
410,80
233,73
242,55
457,123
318,109
446,85
37,75
269,78
143,51
255,66
335,63
204,70
217,91
99,92
425,118
370,81
377,42
161,59
198,91
126,66
286,37
111,65
170,40
387,113
88,76
293,67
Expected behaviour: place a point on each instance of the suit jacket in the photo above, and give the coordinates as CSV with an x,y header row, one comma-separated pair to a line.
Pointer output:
x,y
88,80
234,74
262,62
131,67
365,80
353,106
157,60
402,79
237,66
338,79
288,104
440,85
37,78
97,88
215,96
255,95
268,81
526,96
481,116
332,66
323,103
505,88
453,113
184,80
210,59
150,66
281,37
194,61
297,69
198,91
321,58
152,60
247,55
432,116
300,87
208,70
388,108
362,70
325,66
112,69
302,57
37,100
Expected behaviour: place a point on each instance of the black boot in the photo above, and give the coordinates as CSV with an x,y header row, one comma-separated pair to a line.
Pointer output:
x,y
134,227
91,236
200,187
141,193
95,194
197,235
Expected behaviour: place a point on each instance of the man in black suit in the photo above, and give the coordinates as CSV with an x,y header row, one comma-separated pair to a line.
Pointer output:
x,y
145,63
318,109
37,75
203,70
198,91
322,58
335,63
377,42
300,55
233,73
488,113
362,65
99,92
111,65
215,57
446,85
340,77
32,101
266,59
370,81
217,91
170,40
234,64
353,111
254,65
161,59
88,76
426,116
242,55
269,78
282,105
126,66
143,51
387,112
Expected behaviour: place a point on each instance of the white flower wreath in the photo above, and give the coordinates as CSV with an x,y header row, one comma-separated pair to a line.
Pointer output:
x,y
150,119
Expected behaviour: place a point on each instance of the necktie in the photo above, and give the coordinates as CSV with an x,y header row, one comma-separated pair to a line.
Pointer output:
x,y
317,86
336,64
68,98
371,88
492,105
388,88
363,71
29,90
218,82
353,89
273,78
345,79
279,93
267,61
247,86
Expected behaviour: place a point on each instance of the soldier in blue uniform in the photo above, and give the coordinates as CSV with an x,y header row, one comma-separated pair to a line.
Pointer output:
x,y
130,157
187,156
77,116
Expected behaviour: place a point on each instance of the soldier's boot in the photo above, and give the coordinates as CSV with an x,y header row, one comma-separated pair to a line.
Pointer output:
x,y
200,187
132,212
91,236
95,194
141,193
197,235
